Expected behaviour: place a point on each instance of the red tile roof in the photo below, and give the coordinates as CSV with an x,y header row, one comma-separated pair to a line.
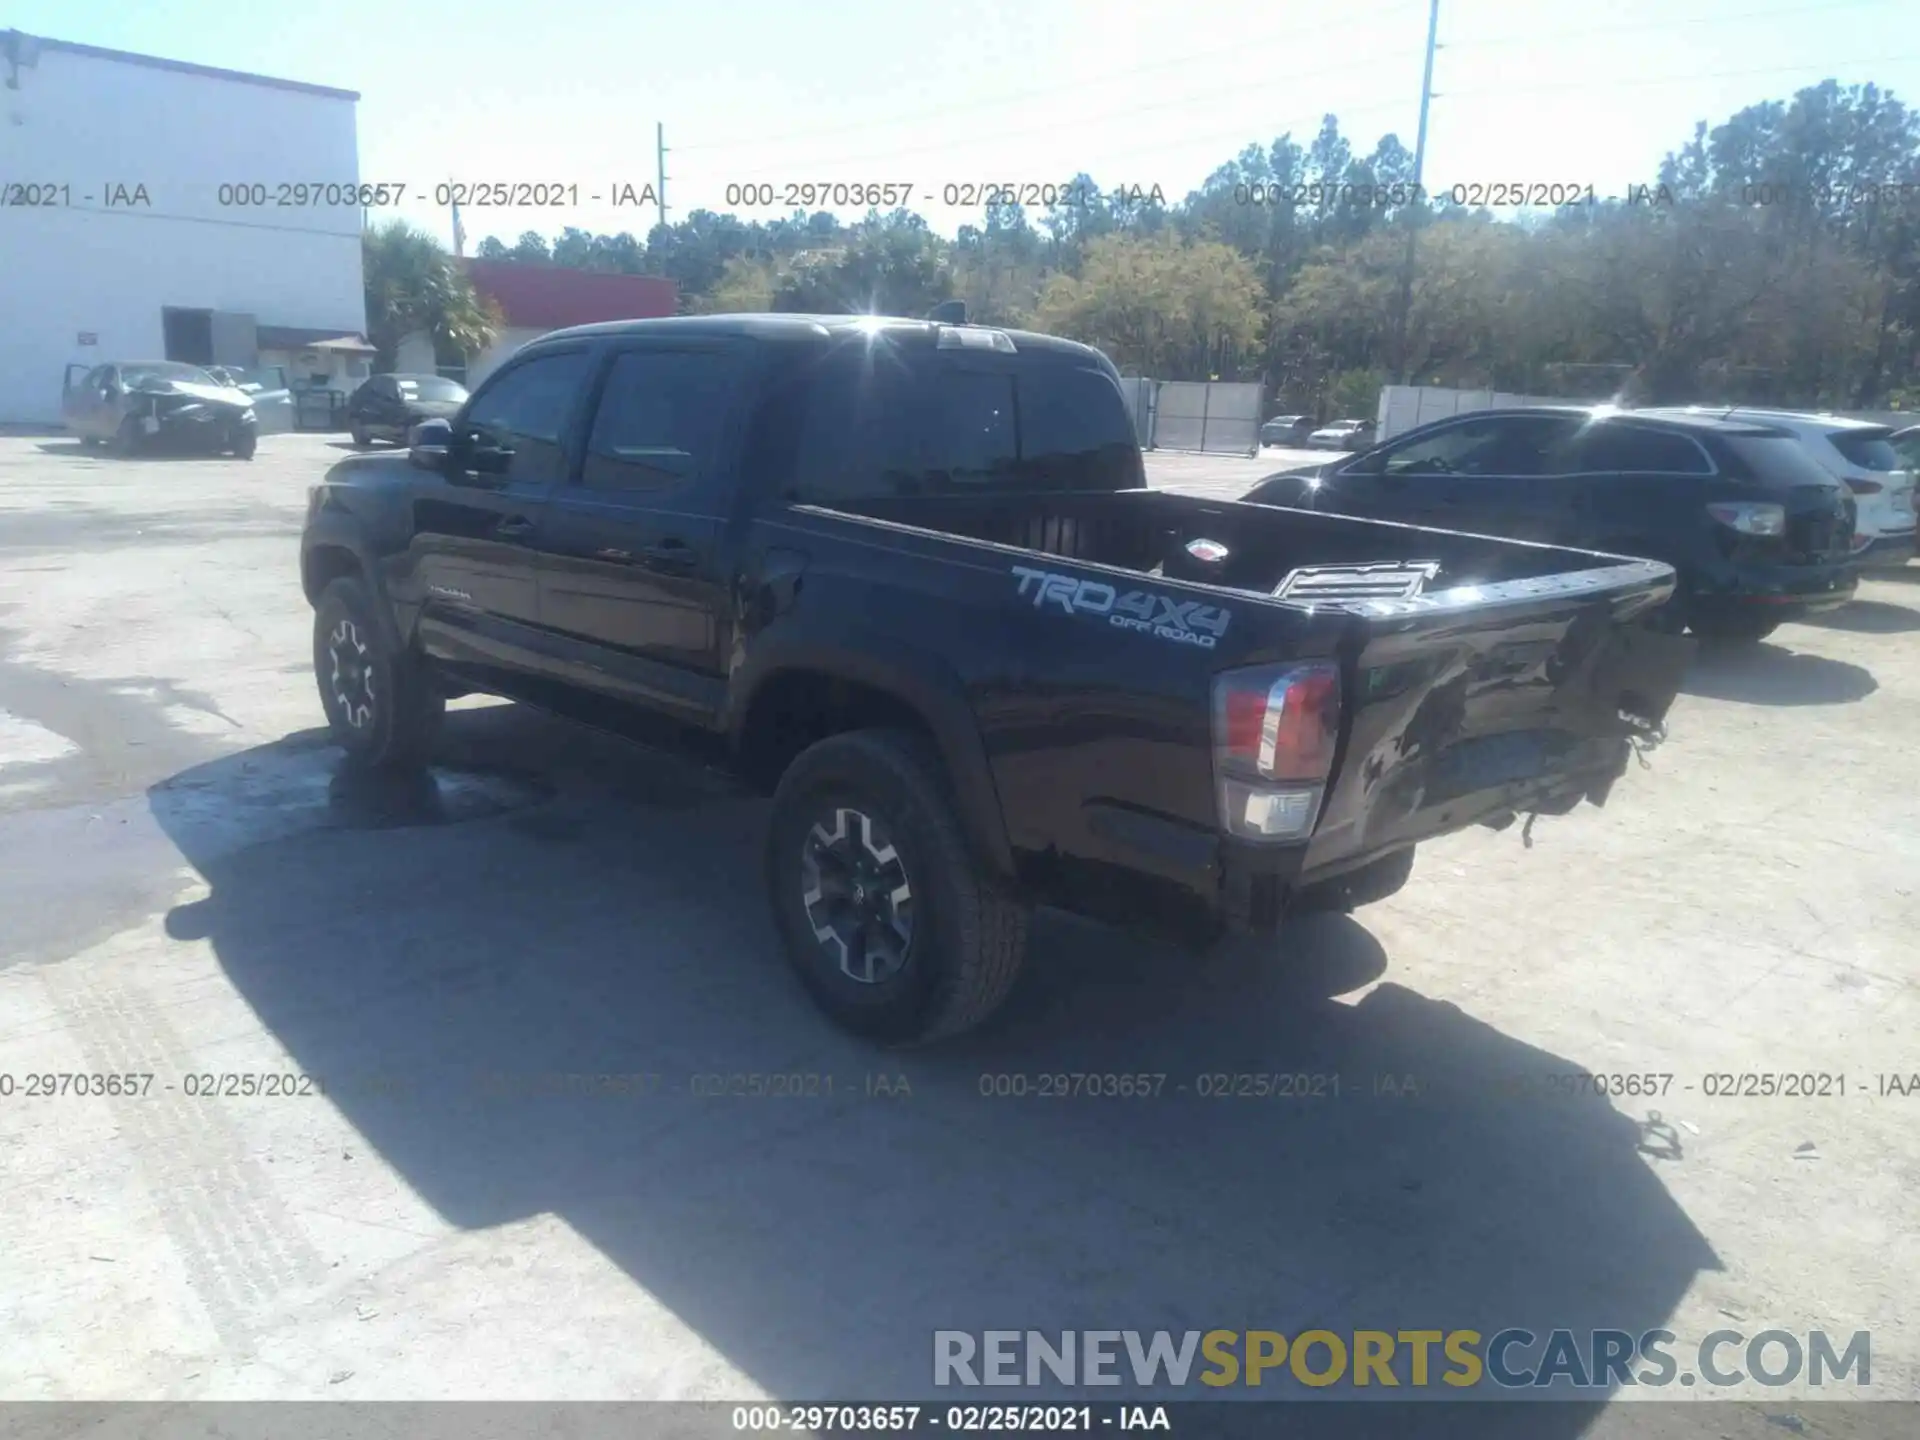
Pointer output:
x,y
547,297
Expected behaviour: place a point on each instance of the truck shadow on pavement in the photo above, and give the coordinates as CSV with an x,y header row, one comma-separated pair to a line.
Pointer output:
x,y
606,918
1869,617
1770,673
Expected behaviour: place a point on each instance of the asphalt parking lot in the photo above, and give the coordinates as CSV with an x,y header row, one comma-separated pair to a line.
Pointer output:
x,y
187,888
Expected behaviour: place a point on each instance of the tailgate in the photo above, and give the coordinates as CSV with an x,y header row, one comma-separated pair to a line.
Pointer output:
x,y
1470,703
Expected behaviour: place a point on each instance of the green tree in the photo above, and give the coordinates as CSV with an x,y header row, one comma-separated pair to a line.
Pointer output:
x,y
412,284
1168,308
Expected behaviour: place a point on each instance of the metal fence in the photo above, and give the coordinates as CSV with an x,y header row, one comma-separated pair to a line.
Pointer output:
x,y
1221,417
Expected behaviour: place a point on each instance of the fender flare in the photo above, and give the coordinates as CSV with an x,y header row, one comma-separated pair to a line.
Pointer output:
x,y
917,679
337,531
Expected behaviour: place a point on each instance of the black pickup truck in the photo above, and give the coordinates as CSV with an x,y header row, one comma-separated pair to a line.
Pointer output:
x,y
908,577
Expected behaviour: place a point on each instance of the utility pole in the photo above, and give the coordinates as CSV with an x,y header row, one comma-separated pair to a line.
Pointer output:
x,y
1417,207
660,154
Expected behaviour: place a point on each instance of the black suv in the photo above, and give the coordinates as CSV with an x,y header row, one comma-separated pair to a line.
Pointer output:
x,y
1758,532
909,578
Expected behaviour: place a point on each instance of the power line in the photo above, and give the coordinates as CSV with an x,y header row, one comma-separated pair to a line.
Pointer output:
x,y
1030,131
1237,51
1559,85
1495,41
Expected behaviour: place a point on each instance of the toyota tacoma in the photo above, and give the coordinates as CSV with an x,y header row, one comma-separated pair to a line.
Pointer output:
x,y
908,577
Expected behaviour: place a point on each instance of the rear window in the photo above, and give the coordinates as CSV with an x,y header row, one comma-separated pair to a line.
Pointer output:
x,y
1866,449
877,422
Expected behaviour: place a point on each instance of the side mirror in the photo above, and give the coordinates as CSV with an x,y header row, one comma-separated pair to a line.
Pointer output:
x,y
428,444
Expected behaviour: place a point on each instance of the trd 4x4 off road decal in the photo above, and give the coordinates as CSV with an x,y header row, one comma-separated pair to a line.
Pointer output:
x,y
1187,622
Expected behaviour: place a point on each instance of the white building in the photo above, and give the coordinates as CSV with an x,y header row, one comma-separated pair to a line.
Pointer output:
x,y
161,210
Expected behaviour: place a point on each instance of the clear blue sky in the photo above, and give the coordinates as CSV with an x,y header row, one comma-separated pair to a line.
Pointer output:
x,y
938,91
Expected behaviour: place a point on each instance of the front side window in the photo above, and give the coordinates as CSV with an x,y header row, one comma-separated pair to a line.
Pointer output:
x,y
516,427
1464,449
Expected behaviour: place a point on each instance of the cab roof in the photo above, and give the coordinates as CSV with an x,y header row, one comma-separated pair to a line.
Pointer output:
x,y
801,328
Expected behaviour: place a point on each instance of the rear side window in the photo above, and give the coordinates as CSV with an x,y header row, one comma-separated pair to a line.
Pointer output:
x,y
877,422
661,418
1635,450
856,429
1866,449
1780,460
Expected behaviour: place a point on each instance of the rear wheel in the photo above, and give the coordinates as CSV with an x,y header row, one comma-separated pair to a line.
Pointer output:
x,y
381,703
895,928
129,437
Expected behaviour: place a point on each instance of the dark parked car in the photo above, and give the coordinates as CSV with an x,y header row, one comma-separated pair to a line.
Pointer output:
x,y
1758,532
1287,430
150,405
387,407
909,577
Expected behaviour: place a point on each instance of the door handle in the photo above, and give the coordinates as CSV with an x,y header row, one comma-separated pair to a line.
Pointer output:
x,y
513,525
669,555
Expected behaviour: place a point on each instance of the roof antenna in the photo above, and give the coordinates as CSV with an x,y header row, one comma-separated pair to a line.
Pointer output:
x,y
949,312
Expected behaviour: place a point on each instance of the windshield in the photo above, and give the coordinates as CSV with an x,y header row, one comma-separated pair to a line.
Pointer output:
x,y
430,388
159,372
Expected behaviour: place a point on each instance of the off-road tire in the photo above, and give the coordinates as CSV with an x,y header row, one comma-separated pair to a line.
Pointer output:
x,y
1371,882
391,724
969,931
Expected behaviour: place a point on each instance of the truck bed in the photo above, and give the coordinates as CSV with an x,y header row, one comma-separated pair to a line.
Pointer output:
x,y
1148,531
1511,683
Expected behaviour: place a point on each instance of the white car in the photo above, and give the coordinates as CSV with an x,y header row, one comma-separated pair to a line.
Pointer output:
x,y
1342,435
1856,452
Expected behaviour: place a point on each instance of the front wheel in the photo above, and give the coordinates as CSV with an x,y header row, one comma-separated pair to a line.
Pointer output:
x,y
895,928
244,445
381,704
359,436
128,439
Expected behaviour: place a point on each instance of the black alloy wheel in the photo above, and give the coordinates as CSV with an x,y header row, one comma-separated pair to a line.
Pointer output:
x,y
857,895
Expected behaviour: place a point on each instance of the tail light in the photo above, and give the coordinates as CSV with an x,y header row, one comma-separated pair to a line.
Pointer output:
x,y
1865,487
1274,732
1750,517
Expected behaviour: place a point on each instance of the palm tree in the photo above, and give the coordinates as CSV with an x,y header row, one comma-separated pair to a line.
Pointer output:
x,y
413,284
